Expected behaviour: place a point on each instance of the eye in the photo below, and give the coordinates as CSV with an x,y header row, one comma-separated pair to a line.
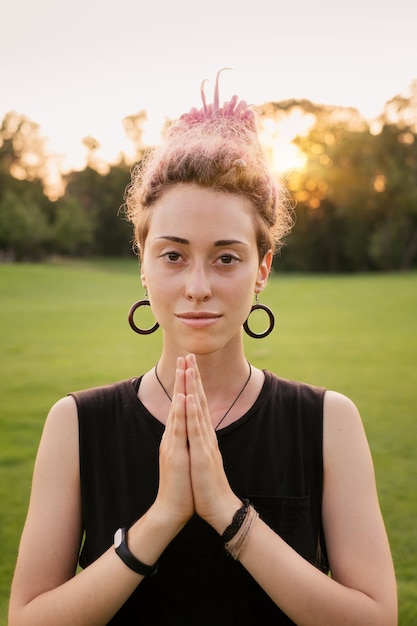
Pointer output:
x,y
228,259
171,257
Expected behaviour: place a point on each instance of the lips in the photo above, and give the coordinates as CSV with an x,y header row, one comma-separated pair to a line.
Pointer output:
x,y
197,315
198,319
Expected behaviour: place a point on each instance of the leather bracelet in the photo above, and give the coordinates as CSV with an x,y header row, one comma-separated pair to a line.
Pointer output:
x,y
237,521
122,550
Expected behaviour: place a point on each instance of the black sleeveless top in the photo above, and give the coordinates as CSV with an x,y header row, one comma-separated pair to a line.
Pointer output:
x,y
272,456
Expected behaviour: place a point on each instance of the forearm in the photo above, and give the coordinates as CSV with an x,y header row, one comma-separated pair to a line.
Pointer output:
x,y
93,596
305,594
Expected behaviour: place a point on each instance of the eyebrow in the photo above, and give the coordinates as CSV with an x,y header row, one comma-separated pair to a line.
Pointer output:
x,y
220,243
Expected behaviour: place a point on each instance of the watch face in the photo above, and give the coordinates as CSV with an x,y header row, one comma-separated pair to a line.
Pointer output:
x,y
118,537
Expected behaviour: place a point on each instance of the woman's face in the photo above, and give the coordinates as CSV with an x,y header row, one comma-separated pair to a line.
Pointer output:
x,y
201,268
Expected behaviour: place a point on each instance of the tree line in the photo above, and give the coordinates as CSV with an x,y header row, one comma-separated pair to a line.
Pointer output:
x,y
355,196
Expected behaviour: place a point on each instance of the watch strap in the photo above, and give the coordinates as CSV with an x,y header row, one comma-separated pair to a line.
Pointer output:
x,y
122,551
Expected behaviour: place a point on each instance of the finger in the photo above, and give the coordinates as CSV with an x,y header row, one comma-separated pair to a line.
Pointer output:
x,y
196,430
176,416
192,388
179,383
179,421
191,363
194,385
199,428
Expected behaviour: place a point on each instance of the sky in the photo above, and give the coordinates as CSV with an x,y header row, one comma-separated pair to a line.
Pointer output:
x,y
78,68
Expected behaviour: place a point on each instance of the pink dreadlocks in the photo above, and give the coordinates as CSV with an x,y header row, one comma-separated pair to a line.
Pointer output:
x,y
216,147
233,110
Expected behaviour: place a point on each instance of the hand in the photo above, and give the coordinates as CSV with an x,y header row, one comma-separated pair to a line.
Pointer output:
x,y
175,493
214,499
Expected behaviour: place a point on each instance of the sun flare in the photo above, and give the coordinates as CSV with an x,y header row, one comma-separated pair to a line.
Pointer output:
x,y
277,135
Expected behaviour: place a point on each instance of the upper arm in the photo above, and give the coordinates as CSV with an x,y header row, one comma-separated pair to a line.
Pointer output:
x,y
356,540
50,542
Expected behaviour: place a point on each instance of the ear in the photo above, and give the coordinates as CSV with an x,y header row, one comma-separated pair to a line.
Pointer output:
x,y
264,271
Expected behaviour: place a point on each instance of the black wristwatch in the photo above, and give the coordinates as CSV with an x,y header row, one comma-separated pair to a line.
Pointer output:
x,y
122,550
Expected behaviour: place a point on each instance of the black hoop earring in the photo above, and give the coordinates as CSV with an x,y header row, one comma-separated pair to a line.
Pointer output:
x,y
261,307
141,331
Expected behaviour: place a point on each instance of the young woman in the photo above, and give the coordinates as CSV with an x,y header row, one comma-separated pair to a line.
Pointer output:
x,y
206,491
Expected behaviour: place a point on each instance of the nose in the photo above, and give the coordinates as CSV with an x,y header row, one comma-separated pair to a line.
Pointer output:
x,y
198,287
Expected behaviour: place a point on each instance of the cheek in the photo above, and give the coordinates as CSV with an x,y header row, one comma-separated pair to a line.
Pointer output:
x,y
162,290
241,292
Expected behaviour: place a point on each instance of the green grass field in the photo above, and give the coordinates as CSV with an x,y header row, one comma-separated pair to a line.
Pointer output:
x,y
64,327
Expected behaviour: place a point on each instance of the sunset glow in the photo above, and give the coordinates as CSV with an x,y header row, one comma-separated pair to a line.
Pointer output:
x,y
80,77
278,137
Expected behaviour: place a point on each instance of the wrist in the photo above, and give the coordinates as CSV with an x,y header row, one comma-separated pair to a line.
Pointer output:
x,y
237,521
236,535
163,521
150,535
224,515
124,553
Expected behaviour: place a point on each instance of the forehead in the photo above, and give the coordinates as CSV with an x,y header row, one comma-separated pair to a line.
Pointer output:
x,y
193,210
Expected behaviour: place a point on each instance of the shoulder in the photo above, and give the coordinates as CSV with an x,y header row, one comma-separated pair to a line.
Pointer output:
x,y
340,414
62,416
299,397
102,392
56,465
296,409
60,429
335,402
105,401
344,439
290,387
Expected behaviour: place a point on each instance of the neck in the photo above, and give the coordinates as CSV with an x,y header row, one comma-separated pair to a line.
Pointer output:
x,y
219,372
